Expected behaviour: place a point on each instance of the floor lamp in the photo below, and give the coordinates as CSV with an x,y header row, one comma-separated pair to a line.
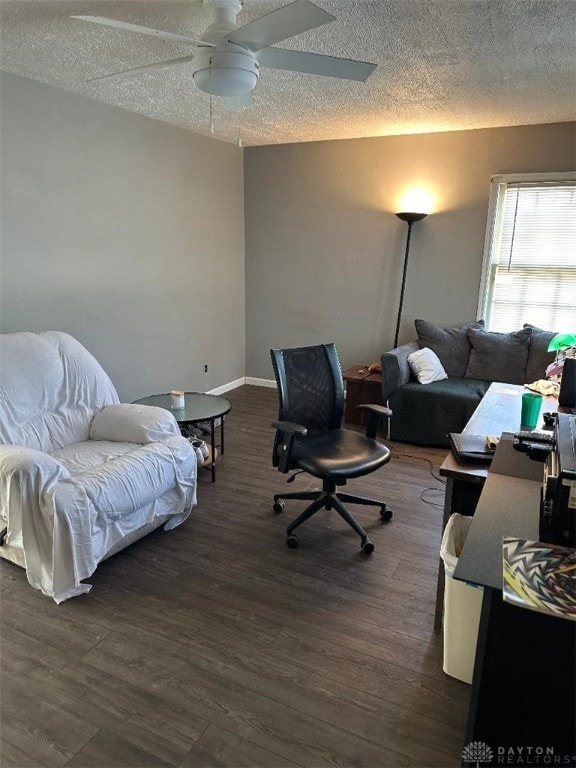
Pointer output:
x,y
409,217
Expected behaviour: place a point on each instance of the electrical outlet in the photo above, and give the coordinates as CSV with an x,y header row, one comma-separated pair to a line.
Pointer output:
x,y
206,368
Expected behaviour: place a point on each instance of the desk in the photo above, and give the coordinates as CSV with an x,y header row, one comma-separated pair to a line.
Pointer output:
x,y
524,687
513,485
198,408
499,411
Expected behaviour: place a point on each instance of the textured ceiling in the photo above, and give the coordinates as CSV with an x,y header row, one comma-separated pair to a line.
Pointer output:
x,y
442,65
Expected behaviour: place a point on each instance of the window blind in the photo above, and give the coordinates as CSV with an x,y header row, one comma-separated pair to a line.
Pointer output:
x,y
533,257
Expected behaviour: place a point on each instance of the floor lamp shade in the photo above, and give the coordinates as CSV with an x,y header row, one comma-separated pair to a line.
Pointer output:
x,y
410,217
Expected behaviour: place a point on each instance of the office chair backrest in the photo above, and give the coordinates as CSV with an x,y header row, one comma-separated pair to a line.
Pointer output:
x,y
310,388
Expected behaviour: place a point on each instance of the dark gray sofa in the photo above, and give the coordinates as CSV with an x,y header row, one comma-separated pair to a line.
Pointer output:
x,y
424,414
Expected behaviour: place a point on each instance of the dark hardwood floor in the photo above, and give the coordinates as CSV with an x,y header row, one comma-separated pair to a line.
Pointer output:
x,y
216,645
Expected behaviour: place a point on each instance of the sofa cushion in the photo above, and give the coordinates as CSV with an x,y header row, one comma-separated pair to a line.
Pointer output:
x,y
50,388
499,356
538,356
132,423
426,366
124,485
452,345
425,415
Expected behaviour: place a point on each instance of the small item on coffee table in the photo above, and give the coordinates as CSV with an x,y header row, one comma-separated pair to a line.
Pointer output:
x,y
176,399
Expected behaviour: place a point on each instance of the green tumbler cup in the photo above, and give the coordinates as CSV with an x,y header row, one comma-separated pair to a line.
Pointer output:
x,y
531,404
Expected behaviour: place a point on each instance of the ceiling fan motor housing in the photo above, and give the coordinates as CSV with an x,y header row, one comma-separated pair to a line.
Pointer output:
x,y
227,58
224,10
225,72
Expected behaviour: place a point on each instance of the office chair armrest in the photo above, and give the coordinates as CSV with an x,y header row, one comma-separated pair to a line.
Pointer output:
x,y
290,432
377,415
289,426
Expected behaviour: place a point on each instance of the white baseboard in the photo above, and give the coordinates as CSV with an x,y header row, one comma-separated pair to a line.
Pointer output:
x,y
239,382
260,382
226,387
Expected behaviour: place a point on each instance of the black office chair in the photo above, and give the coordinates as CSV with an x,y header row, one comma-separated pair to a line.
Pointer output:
x,y
310,438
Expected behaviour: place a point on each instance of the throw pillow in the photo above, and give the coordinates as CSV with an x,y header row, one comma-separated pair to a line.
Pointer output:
x,y
538,356
452,345
499,356
426,366
132,423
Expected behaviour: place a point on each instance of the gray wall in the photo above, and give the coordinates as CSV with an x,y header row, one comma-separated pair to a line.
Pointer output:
x,y
125,232
129,234
324,251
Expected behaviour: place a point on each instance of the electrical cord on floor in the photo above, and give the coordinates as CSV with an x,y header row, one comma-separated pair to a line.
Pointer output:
x,y
438,504
396,455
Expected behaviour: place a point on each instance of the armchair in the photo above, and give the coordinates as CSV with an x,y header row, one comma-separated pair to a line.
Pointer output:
x,y
81,475
309,436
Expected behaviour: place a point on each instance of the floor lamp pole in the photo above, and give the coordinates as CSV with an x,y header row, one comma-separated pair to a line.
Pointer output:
x,y
409,217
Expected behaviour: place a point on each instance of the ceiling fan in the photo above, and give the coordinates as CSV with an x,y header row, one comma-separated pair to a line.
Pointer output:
x,y
227,58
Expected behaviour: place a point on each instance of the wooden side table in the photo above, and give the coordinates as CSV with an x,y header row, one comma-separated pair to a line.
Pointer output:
x,y
361,387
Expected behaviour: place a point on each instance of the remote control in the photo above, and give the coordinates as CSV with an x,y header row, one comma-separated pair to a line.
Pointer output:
x,y
535,436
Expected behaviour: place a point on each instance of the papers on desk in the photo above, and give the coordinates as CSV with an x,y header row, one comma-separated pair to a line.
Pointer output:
x,y
502,389
539,576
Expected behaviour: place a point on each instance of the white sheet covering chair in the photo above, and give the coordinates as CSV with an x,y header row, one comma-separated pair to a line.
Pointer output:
x,y
81,475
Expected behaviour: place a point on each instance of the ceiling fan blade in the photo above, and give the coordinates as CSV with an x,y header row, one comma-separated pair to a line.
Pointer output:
x,y
156,65
238,102
285,22
316,64
142,30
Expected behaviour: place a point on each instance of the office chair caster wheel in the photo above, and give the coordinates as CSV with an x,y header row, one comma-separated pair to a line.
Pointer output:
x,y
278,506
386,514
292,541
367,547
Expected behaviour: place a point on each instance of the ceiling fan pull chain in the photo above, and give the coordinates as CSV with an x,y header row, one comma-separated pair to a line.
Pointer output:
x,y
239,139
211,108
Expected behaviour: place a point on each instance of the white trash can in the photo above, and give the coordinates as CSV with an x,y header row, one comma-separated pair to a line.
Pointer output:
x,y
462,604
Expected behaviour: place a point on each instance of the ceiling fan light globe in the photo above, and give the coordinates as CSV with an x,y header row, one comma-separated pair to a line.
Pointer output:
x,y
226,73
225,81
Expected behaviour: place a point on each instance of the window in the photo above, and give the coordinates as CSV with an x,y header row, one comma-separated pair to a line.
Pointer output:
x,y
529,271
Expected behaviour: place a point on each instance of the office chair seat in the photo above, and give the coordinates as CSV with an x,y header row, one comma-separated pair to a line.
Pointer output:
x,y
339,454
310,437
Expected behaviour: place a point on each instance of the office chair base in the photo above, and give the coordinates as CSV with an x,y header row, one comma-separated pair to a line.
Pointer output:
x,y
329,498
386,514
366,545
